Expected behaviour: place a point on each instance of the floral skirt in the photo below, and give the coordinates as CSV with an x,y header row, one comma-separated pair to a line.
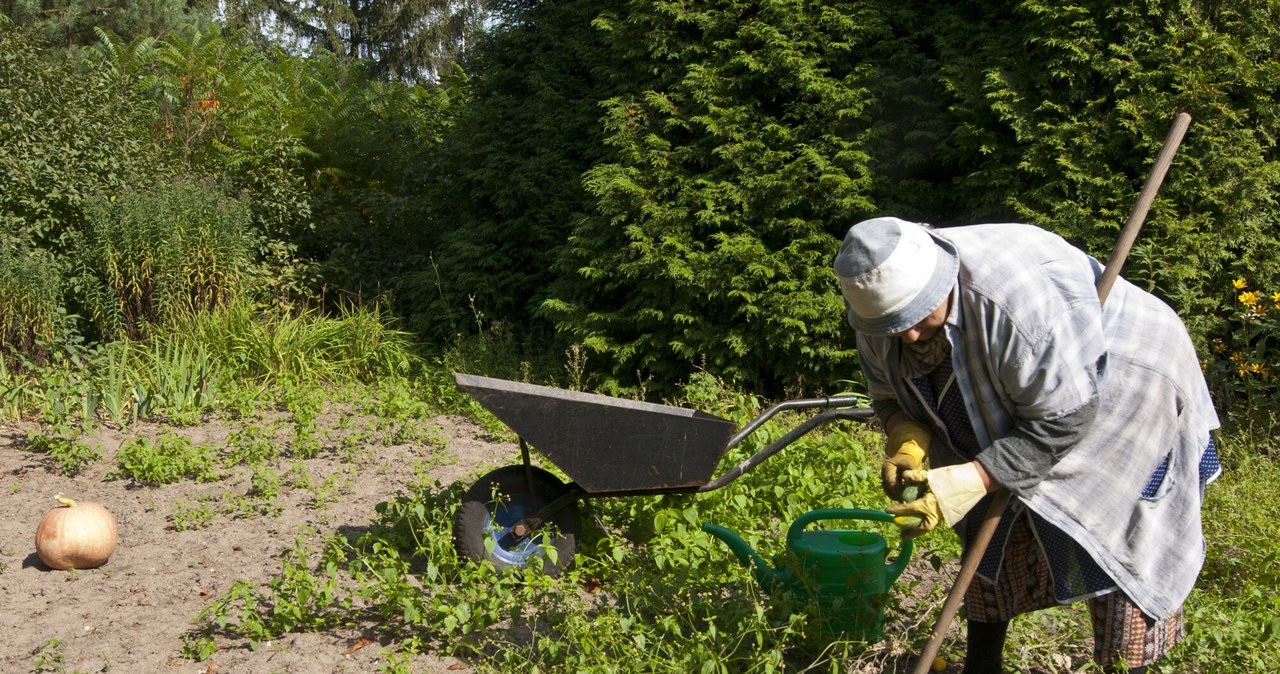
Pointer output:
x,y
1121,632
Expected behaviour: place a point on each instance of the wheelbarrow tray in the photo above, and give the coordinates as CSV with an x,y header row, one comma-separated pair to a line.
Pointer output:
x,y
606,444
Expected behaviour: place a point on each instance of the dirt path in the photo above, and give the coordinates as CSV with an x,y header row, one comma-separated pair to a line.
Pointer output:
x,y
131,615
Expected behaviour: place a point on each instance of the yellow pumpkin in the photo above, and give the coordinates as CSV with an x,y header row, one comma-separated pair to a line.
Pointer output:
x,y
76,535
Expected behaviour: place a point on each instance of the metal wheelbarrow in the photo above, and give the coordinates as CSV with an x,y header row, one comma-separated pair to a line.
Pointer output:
x,y
608,447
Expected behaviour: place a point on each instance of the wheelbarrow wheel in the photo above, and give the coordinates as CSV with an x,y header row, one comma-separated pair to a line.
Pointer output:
x,y
497,502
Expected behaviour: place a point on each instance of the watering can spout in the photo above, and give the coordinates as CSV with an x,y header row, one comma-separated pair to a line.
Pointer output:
x,y
767,576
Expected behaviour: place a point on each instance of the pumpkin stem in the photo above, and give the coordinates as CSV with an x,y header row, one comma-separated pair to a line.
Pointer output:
x,y
65,501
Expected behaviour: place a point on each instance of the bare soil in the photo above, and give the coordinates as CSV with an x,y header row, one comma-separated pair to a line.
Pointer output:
x,y
131,614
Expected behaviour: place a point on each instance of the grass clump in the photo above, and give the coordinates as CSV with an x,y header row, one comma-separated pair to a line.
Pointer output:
x,y
271,346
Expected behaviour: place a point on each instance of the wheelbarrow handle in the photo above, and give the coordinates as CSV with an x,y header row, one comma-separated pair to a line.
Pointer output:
x,y
827,402
862,414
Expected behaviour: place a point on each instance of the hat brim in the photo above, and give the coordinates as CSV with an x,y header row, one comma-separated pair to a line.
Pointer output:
x,y
946,270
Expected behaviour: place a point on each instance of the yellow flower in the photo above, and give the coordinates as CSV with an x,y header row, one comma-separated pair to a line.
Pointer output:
x,y
1249,299
1240,284
1219,346
1242,369
1237,357
1256,368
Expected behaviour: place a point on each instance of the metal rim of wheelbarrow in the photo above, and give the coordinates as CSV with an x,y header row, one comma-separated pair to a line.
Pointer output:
x,y
486,526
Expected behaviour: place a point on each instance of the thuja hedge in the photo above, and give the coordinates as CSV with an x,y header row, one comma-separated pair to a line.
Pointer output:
x,y
666,183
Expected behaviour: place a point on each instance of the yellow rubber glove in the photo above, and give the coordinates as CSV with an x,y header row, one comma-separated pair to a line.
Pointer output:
x,y
953,491
905,449
925,512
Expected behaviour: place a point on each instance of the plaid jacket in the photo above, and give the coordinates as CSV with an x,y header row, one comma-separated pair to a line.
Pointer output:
x,y
1026,330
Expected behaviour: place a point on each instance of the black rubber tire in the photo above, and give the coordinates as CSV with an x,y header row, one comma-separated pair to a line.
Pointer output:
x,y
500,499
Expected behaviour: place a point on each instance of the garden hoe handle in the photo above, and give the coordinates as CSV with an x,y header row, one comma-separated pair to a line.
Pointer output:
x,y
1000,499
1130,232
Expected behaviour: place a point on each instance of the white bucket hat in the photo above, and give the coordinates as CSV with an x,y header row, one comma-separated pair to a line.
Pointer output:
x,y
893,274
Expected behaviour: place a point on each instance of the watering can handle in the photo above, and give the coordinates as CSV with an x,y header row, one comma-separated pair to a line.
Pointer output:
x,y
797,529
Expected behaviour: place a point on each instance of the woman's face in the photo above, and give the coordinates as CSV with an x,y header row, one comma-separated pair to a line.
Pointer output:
x,y
928,326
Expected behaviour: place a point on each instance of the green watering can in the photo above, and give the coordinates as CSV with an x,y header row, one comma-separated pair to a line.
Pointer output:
x,y
843,572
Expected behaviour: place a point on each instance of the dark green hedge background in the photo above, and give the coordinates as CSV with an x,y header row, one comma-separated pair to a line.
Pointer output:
x,y
665,183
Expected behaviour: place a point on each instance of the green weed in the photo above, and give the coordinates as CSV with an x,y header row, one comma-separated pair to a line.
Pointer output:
x,y
121,392
167,459
50,658
261,498
649,589
1232,614
305,405
62,445
198,649
251,446
182,381
191,515
264,484
261,345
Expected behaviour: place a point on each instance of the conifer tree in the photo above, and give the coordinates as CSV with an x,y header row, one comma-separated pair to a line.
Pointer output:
x,y
74,23
738,162
509,183
416,40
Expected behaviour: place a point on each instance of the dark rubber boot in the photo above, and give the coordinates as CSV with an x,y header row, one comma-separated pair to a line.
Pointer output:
x,y
984,648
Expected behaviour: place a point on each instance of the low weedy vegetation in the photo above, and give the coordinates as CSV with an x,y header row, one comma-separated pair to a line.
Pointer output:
x,y
648,590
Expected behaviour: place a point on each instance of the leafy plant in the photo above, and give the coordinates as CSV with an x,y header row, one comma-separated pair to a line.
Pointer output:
x,y
120,389
191,515
198,649
167,459
1244,363
273,347
182,379
31,295
264,485
160,253
63,446
50,658
251,446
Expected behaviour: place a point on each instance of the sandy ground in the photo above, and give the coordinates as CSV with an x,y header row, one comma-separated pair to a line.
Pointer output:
x,y
131,614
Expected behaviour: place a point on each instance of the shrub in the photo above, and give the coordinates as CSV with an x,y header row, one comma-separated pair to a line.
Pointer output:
x,y
736,167
157,254
69,134
30,301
